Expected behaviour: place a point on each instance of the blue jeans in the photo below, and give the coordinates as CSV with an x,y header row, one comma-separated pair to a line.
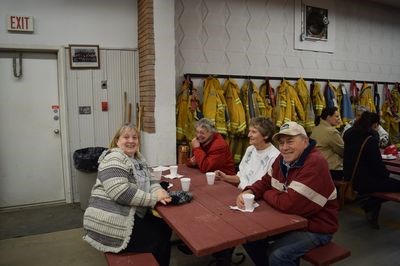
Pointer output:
x,y
284,249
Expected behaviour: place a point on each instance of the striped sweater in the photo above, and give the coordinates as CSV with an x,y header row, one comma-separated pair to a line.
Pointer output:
x,y
123,187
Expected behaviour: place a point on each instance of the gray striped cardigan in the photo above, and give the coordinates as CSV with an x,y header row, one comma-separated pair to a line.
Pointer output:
x,y
109,219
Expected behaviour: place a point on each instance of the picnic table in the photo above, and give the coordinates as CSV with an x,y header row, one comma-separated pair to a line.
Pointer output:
x,y
207,224
392,165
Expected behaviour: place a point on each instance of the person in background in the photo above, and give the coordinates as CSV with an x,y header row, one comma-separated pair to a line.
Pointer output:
x,y
329,141
210,150
300,184
383,135
119,216
371,174
259,156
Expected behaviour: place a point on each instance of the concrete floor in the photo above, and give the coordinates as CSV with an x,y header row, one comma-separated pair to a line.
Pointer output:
x,y
66,247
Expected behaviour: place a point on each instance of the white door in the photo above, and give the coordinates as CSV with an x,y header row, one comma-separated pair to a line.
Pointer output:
x,y
30,141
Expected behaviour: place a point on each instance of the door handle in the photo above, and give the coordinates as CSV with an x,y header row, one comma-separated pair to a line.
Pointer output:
x,y
56,131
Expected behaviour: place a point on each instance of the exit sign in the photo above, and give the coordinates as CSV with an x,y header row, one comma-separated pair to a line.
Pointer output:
x,y
20,23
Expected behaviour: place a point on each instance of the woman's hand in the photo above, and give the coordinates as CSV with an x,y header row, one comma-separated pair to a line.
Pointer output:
x,y
239,199
163,196
195,143
192,160
219,175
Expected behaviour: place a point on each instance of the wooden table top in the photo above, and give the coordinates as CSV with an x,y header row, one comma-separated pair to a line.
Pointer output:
x,y
208,225
394,162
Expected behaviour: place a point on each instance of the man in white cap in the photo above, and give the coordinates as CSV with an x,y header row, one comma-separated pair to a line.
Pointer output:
x,y
300,184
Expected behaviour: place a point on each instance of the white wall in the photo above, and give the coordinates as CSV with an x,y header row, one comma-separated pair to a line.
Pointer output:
x,y
111,24
160,148
256,37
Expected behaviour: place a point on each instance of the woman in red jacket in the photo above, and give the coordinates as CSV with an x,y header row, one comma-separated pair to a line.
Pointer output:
x,y
210,150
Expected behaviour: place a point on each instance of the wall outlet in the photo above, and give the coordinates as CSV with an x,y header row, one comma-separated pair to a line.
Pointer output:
x,y
104,84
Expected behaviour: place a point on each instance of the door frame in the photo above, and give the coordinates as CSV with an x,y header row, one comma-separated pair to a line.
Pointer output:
x,y
61,78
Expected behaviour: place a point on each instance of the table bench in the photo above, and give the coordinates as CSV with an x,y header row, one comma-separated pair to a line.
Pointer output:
x,y
341,189
393,169
130,259
326,255
392,196
342,184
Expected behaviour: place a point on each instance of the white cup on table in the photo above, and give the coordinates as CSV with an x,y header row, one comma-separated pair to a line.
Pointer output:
x,y
210,178
185,183
173,169
157,174
248,201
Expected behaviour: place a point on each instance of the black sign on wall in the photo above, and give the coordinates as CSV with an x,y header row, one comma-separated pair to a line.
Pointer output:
x,y
85,110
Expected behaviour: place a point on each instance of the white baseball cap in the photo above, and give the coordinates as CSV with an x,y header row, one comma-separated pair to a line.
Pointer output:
x,y
290,128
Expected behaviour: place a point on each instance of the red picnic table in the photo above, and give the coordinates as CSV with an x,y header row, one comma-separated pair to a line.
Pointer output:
x,y
394,162
392,165
208,225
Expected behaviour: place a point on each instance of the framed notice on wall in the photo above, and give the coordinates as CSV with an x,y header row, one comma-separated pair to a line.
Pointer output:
x,y
84,56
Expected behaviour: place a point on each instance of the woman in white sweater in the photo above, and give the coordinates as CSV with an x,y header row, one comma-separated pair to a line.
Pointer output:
x,y
259,156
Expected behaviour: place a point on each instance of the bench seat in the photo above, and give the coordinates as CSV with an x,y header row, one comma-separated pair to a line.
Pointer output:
x,y
326,255
392,196
130,259
393,169
341,189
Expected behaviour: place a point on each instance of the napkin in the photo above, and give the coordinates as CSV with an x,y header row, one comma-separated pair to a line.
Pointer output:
x,y
388,156
255,205
160,168
169,176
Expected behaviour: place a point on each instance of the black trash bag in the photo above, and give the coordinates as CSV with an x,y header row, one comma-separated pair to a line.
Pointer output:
x,y
86,159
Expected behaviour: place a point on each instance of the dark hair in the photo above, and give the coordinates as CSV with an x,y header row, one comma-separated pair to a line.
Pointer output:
x,y
264,126
327,111
365,122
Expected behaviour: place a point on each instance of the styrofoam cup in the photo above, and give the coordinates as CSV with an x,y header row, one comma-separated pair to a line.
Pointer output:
x,y
173,169
157,174
210,178
185,183
248,201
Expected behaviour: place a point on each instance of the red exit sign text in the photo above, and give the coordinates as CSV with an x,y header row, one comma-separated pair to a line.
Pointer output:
x,y
20,23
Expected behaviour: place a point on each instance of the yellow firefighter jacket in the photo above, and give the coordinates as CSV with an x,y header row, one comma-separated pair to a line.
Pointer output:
x,y
288,105
253,103
237,123
187,106
305,99
214,105
367,97
317,98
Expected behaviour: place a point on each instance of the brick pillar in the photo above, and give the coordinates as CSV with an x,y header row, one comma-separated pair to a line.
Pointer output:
x,y
146,63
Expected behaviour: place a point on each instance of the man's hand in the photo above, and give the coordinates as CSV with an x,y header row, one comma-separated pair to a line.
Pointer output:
x,y
239,199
